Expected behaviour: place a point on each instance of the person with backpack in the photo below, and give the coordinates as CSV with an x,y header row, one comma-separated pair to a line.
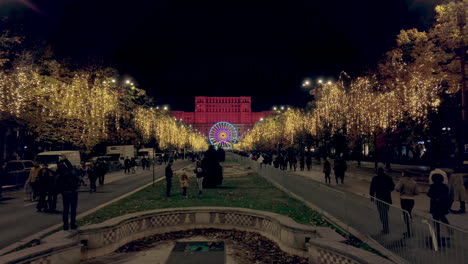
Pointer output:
x,y
200,173
68,183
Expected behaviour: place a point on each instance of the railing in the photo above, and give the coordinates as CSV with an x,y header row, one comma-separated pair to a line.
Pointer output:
x,y
415,238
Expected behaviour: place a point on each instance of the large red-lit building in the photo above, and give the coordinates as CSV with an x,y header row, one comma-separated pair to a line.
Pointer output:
x,y
211,110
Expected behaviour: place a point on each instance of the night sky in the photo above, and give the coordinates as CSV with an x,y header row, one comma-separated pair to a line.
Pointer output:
x,y
180,49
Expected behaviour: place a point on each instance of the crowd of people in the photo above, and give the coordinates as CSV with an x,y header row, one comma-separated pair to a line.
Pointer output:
x,y
285,160
443,192
44,185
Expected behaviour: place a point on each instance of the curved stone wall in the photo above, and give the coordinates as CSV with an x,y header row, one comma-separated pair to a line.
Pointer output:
x,y
106,237
319,244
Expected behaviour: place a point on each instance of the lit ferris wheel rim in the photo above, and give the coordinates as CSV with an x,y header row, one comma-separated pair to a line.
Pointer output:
x,y
223,134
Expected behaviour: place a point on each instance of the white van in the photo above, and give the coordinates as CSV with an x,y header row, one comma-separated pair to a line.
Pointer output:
x,y
52,158
120,153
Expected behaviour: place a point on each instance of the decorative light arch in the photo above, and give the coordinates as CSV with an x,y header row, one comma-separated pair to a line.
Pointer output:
x,y
223,134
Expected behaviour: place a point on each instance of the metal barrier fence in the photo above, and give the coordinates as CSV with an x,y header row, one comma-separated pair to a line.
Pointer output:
x,y
415,238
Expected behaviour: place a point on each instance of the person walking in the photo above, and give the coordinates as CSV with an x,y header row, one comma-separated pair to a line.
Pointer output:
x,y
43,181
309,161
408,189
200,173
100,170
93,176
133,165
51,188
302,162
457,191
83,173
31,181
260,160
285,162
380,191
184,183
127,166
68,183
327,170
339,167
143,163
293,162
440,200
168,173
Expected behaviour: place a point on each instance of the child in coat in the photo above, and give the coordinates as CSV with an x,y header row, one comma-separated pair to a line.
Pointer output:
x,y
184,183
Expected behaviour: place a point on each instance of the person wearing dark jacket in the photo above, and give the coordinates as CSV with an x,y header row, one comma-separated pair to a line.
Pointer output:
x,y
133,165
381,188
51,188
308,161
100,169
68,183
44,181
200,172
327,170
169,174
440,201
92,175
143,163
292,162
127,165
339,167
302,162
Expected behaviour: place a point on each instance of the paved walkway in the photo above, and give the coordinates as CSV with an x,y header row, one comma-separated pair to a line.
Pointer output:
x,y
348,204
357,180
361,186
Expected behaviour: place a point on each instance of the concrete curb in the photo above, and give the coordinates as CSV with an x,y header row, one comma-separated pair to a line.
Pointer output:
x,y
28,239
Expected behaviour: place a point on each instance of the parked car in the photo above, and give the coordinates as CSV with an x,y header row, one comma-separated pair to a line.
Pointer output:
x,y
17,172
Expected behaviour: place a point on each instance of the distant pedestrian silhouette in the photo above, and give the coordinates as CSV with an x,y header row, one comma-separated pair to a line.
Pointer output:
x,y
327,170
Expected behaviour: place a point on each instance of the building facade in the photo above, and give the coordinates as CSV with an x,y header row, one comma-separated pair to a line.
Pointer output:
x,y
211,110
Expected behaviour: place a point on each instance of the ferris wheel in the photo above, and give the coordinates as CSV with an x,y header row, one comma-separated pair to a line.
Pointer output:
x,y
223,134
